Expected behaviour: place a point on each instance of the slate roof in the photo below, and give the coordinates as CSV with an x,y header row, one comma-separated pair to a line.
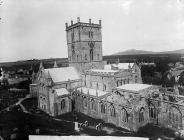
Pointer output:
x,y
134,87
61,91
62,74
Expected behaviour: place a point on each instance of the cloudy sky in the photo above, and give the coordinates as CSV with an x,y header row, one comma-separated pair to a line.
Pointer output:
x,y
34,29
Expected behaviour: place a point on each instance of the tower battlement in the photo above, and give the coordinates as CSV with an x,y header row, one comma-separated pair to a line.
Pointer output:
x,y
83,24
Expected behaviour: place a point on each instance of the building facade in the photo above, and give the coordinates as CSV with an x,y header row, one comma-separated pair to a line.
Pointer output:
x,y
53,89
116,94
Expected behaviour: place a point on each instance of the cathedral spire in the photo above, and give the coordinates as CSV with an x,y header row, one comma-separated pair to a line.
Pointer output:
x,y
55,64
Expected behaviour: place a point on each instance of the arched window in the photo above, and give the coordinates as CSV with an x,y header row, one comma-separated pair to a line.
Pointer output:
x,y
152,111
112,111
91,51
124,115
85,102
103,108
73,51
72,35
141,115
104,87
117,83
62,104
85,56
93,105
175,117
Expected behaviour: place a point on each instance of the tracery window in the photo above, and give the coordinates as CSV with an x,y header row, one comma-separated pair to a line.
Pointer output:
x,y
85,102
91,51
175,116
112,111
104,87
124,115
141,115
103,108
93,105
72,35
73,51
62,104
152,111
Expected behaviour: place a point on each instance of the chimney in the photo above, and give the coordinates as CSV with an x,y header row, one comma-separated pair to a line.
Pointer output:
x,y
71,22
100,22
78,19
89,21
66,25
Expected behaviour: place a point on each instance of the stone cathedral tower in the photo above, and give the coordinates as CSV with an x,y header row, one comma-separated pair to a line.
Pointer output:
x,y
84,41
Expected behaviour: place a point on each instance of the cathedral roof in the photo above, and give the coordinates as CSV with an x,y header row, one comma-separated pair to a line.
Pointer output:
x,y
91,91
123,65
134,87
62,74
61,91
104,71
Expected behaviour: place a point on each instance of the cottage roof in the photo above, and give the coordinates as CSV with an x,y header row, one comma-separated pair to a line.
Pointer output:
x,y
62,74
134,87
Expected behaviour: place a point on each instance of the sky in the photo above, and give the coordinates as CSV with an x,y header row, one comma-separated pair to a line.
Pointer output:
x,y
35,29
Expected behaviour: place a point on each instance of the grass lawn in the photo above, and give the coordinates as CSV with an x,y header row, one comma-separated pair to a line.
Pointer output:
x,y
108,129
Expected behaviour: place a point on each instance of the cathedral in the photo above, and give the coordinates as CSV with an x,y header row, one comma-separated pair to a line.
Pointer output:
x,y
113,93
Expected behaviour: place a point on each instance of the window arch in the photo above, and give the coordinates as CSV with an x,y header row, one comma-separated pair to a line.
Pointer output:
x,y
104,87
73,51
117,83
124,115
175,116
112,111
141,115
91,51
152,111
85,102
72,35
62,104
85,56
93,105
103,108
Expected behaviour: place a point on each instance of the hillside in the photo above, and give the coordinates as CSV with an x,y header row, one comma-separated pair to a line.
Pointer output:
x,y
139,52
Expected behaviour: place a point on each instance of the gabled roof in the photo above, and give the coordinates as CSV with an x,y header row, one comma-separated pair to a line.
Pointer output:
x,y
62,74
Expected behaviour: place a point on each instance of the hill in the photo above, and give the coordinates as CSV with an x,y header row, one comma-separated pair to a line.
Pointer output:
x,y
139,52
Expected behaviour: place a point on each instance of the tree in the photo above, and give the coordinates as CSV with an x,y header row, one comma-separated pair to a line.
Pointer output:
x,y
181,79
168,80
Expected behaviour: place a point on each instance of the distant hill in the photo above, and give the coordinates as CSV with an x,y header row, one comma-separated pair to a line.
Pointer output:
x,y
34,63
139,52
